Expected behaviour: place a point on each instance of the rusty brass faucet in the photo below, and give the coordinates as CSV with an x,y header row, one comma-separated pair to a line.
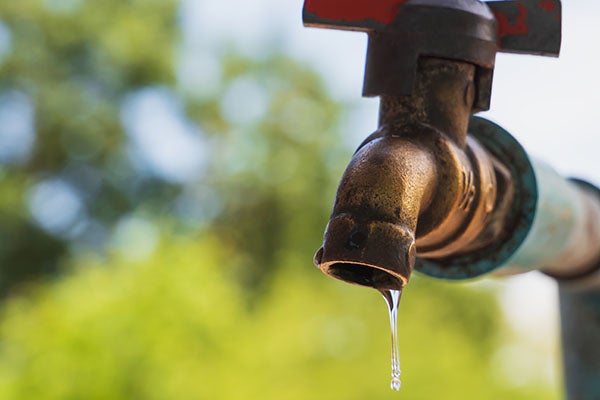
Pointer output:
x,y
418,185
434,188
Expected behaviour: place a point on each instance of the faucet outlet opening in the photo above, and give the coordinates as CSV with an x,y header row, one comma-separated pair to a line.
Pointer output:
x,y
364,275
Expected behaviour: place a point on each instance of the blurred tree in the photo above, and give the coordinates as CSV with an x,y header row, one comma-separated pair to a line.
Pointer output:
x,y
276,175
66,68
91,92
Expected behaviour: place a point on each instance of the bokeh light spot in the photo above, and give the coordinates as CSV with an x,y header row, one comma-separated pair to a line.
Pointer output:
x,y
17,132
199,73
5,41
167,144
135,238
62,6
244,101
55,205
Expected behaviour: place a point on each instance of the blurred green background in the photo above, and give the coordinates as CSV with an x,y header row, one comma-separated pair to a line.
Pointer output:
x,y
157,224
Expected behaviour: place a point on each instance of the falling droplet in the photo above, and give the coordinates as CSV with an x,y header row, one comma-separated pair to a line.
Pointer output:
x,y
392,298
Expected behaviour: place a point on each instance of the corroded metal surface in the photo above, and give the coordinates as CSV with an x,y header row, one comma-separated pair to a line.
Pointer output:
x,y
531,27
513,214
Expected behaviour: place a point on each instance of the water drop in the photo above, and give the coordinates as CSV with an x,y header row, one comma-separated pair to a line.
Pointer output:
x,y
392,298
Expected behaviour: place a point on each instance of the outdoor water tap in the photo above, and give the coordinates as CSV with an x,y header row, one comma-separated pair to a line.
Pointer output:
x,y
451,195
435,189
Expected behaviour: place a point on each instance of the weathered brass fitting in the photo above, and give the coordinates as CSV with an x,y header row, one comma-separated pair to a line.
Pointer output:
x,y
419,185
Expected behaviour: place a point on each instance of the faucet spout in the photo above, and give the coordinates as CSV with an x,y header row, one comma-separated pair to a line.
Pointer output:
x,y
370,238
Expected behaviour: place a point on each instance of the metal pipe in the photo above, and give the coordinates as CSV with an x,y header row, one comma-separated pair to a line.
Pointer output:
x,y
564,240
555,225
580,331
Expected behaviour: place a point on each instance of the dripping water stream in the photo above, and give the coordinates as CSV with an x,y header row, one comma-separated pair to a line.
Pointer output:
x,y
392,298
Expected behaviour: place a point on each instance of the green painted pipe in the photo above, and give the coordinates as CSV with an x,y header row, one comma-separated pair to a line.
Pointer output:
x,y
564,238
556,226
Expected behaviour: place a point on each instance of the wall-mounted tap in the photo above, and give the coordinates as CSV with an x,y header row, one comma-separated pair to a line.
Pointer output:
x,y
435,189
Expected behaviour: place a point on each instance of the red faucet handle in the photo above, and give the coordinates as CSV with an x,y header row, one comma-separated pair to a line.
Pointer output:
x,y
528,26
525,26
355,15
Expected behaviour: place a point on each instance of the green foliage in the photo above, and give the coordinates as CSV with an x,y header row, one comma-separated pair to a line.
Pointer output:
x,y
271,177
75,61
276,176
174,328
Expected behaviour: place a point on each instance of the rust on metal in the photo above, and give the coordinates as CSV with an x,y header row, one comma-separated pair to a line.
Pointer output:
x,y
518,27
529,26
